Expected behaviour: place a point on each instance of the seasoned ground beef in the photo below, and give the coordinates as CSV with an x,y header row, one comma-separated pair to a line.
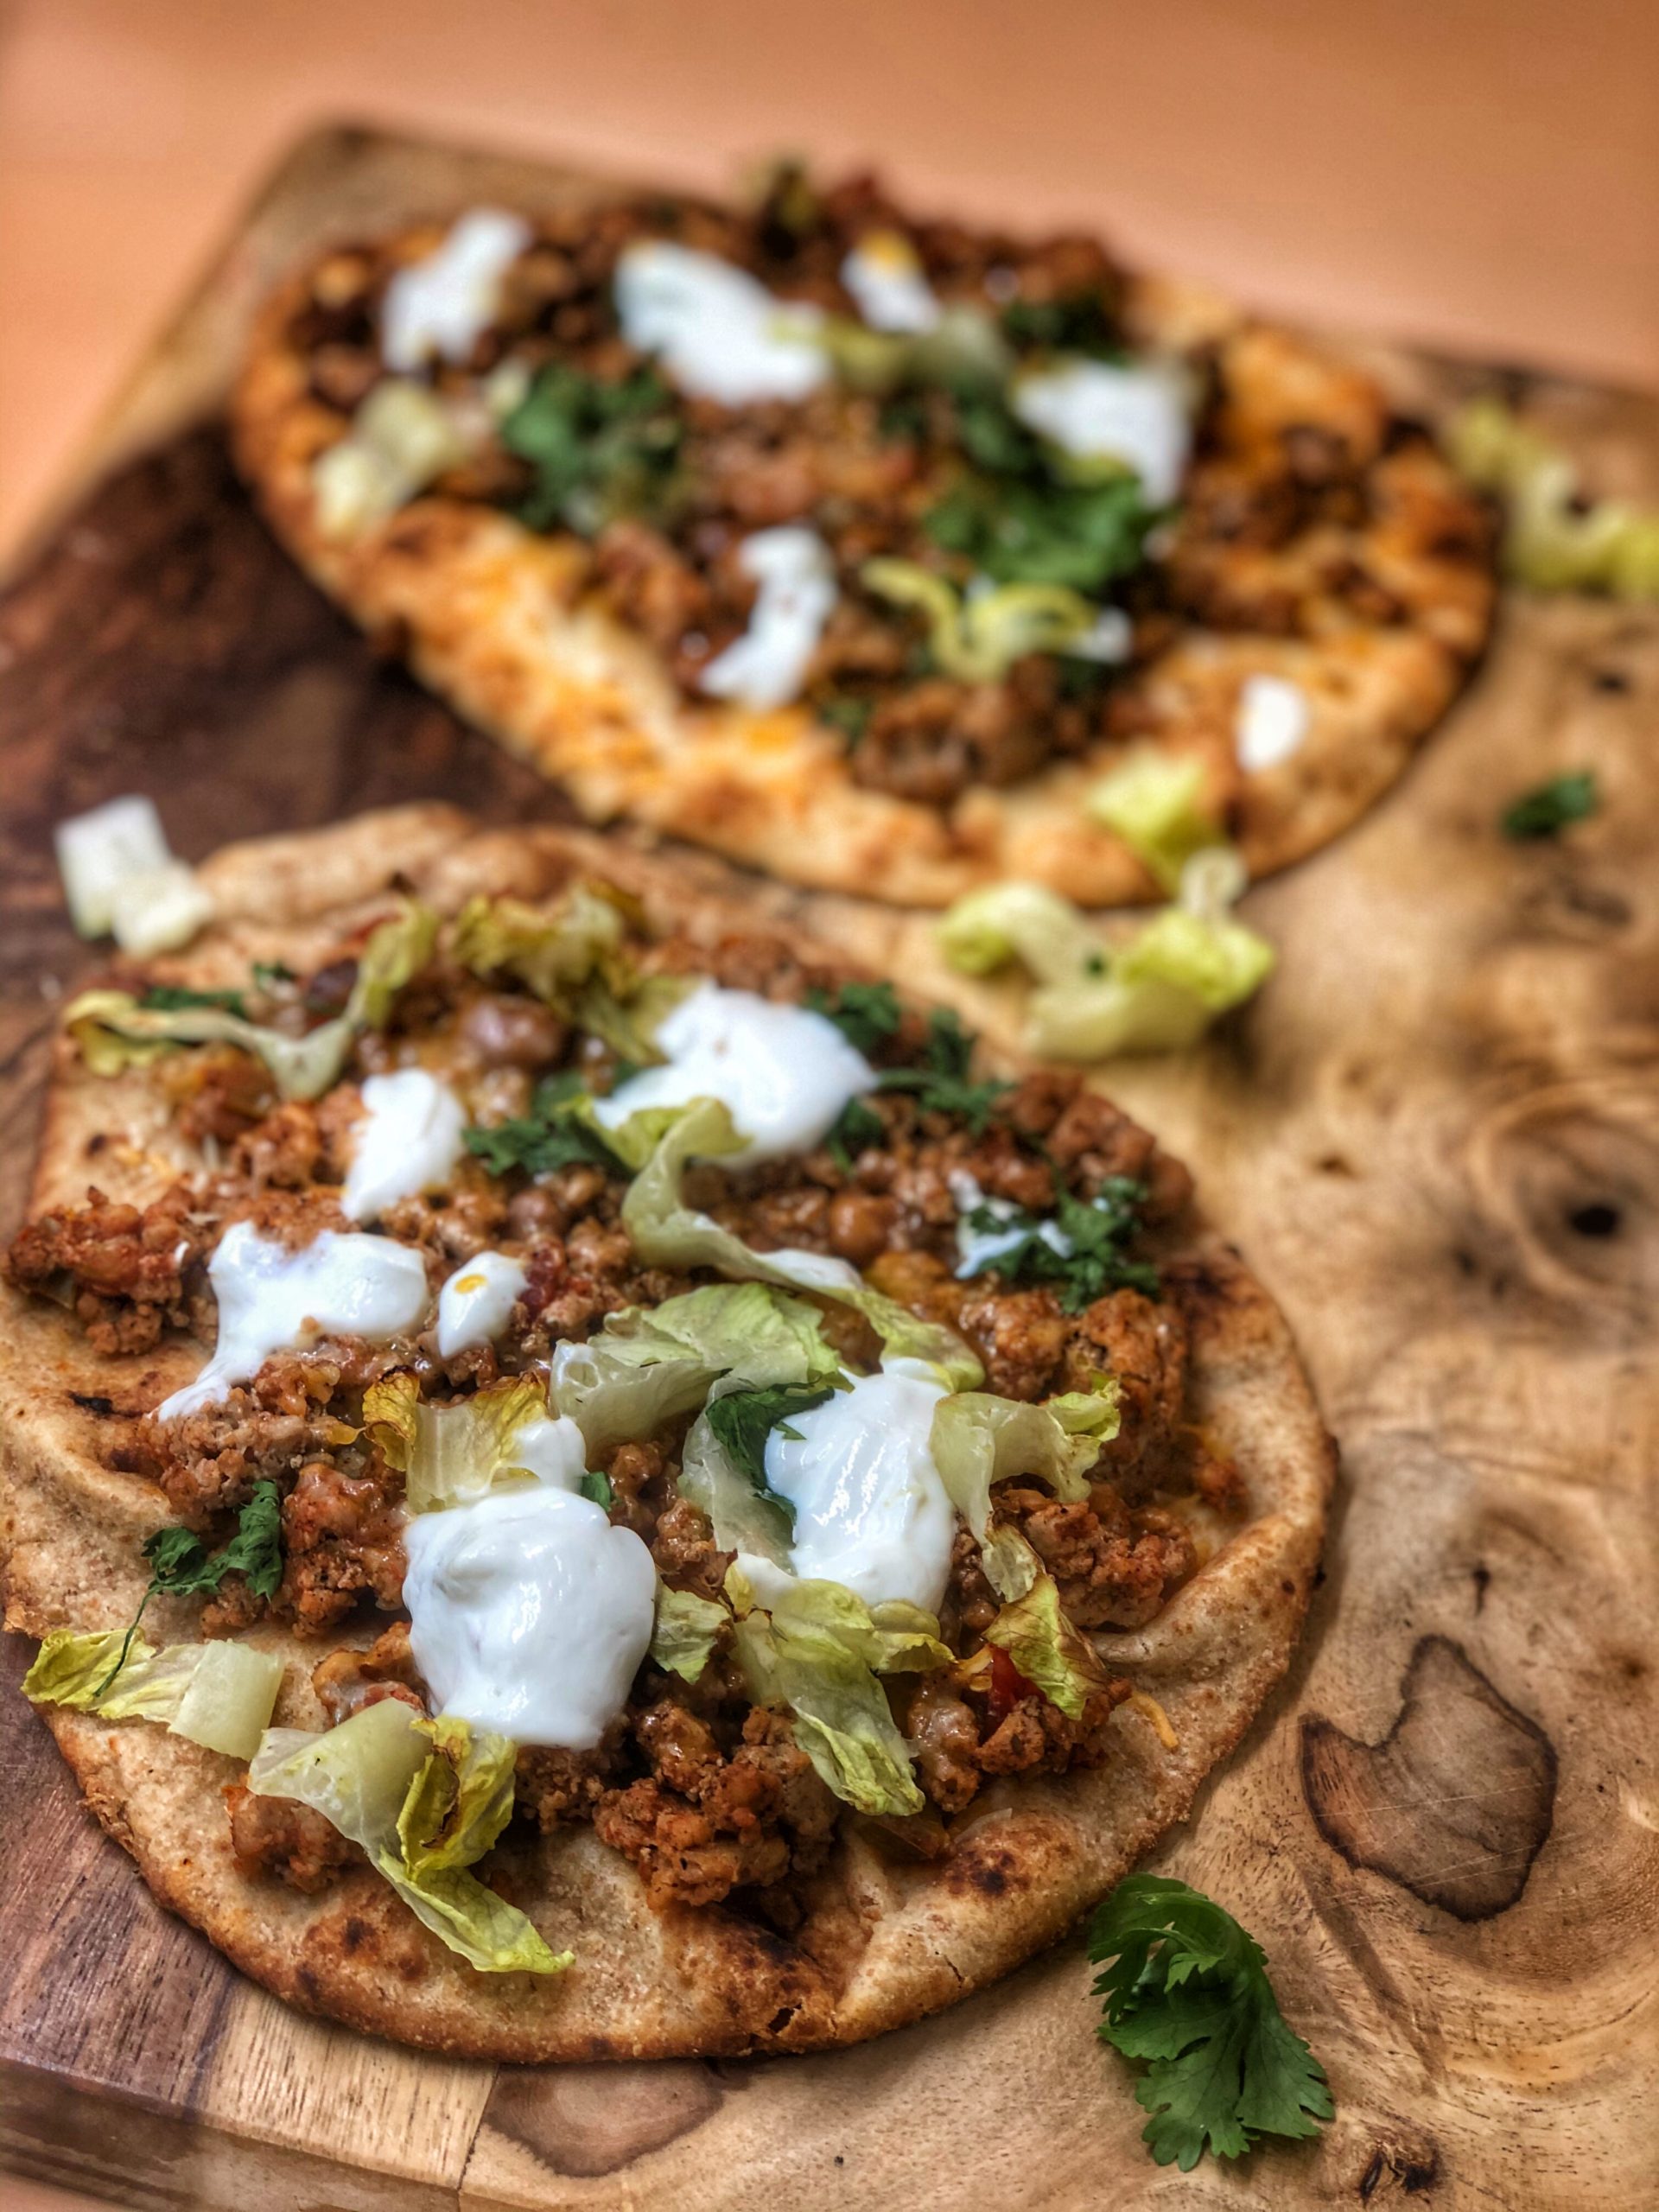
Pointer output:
x,y
962,1736
278,1835
348,1679
120,1269
1114,1567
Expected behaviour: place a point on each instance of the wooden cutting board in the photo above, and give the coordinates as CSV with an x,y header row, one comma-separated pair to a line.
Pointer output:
x,y
1436,1136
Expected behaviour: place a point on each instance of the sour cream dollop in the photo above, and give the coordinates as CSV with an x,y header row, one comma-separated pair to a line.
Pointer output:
x,y
719,333
273,1299
1096,410
1271,723
889,288
529,1613
784,1073
408,1140
476,1303
871,1509
444,303
766,667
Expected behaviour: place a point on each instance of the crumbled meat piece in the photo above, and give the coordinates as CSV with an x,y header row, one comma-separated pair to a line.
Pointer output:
x,y
1037,1737
121,1269
1114,1567
341,1536
1143,1343
282,1151
946,1736
280,1836
555,1785
703,1825
348,1681
686,1553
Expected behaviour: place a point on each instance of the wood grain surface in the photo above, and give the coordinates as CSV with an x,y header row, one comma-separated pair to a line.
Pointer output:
x,y
1435,1136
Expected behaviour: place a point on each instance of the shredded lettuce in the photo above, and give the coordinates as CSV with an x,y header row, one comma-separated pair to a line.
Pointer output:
x,y
978,637
979,1440
963,350
113,1030
1155,803
217,1693
401,438
1556,540
818,1653
686,1630
575,958
423,1801
1046,1649
647,1365
450,1455
667,1233
1157,990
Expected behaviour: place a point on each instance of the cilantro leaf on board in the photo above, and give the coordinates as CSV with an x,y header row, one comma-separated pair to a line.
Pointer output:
x,y
1080,1247
180,1565
865,1013
1546,811
601,448
554,1134
168,998
1187,1991
745,1419
942,1085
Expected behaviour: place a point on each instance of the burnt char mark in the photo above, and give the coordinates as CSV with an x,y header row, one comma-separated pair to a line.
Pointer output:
x,y
1456,1802
91,1402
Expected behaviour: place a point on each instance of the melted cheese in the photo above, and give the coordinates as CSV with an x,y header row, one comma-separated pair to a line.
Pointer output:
x,y
766,667
1096,410
443,304
529,1613
476,1303
784,1073
871,1510
1271,723
408,1140
271,1299
884,274
720,333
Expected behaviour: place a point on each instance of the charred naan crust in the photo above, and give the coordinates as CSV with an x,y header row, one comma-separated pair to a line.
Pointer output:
x,y
1377,611
882,1941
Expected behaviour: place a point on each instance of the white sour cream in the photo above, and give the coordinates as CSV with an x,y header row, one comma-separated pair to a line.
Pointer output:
x,y
553,1450
871,1510
720,333
784,1073
529,1613
476,1303
1094,410
766,667
1271,723
271,1299
978,1248
443,304
884,274
408,1140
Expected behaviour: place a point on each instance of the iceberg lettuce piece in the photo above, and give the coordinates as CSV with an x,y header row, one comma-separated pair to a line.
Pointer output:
x,y
1555,539
686,1630
575,959
1154,802
668,1233
420,1799
978,636
1025,922
451,1455
218,1694
114,1030
1045,1648
980,1439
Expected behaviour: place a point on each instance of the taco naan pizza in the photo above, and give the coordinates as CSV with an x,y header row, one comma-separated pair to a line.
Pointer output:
x,y
862,549
594,1484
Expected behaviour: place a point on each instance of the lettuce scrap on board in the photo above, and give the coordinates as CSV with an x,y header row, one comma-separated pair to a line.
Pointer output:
x,y
1555,539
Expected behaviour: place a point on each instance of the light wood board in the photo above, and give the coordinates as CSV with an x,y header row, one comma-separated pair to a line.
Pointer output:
x,y
1435,1136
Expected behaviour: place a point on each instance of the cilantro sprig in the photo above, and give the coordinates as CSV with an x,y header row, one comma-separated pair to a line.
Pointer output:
x,y
555,1132
181,1565
1547,812
942,1083
745,1419
1187,1991
169,998
600,448
1087,1257
865,1013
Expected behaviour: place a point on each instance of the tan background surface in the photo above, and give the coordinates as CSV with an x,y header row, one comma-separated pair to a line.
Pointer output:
x,y
1481,173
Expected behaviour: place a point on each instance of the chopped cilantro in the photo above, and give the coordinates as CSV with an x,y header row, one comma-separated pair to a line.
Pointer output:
x,y
180,1565
597,1487
1088,1259
555,1134
1187,1990
850,715
168,998
1018,530
857,1127
600,449
942,1085
268,974
745,1419
864,1013
1546,811
1078,322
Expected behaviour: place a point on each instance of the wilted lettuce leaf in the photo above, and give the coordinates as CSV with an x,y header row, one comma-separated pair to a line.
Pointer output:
x,y
420,1800
575,959
449,1455
685,1632
978,638
666,1233
979,1438
1046,1649
114,1030
218,1694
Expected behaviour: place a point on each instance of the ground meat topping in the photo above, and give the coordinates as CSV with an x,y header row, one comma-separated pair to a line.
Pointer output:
x,y
280,1836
